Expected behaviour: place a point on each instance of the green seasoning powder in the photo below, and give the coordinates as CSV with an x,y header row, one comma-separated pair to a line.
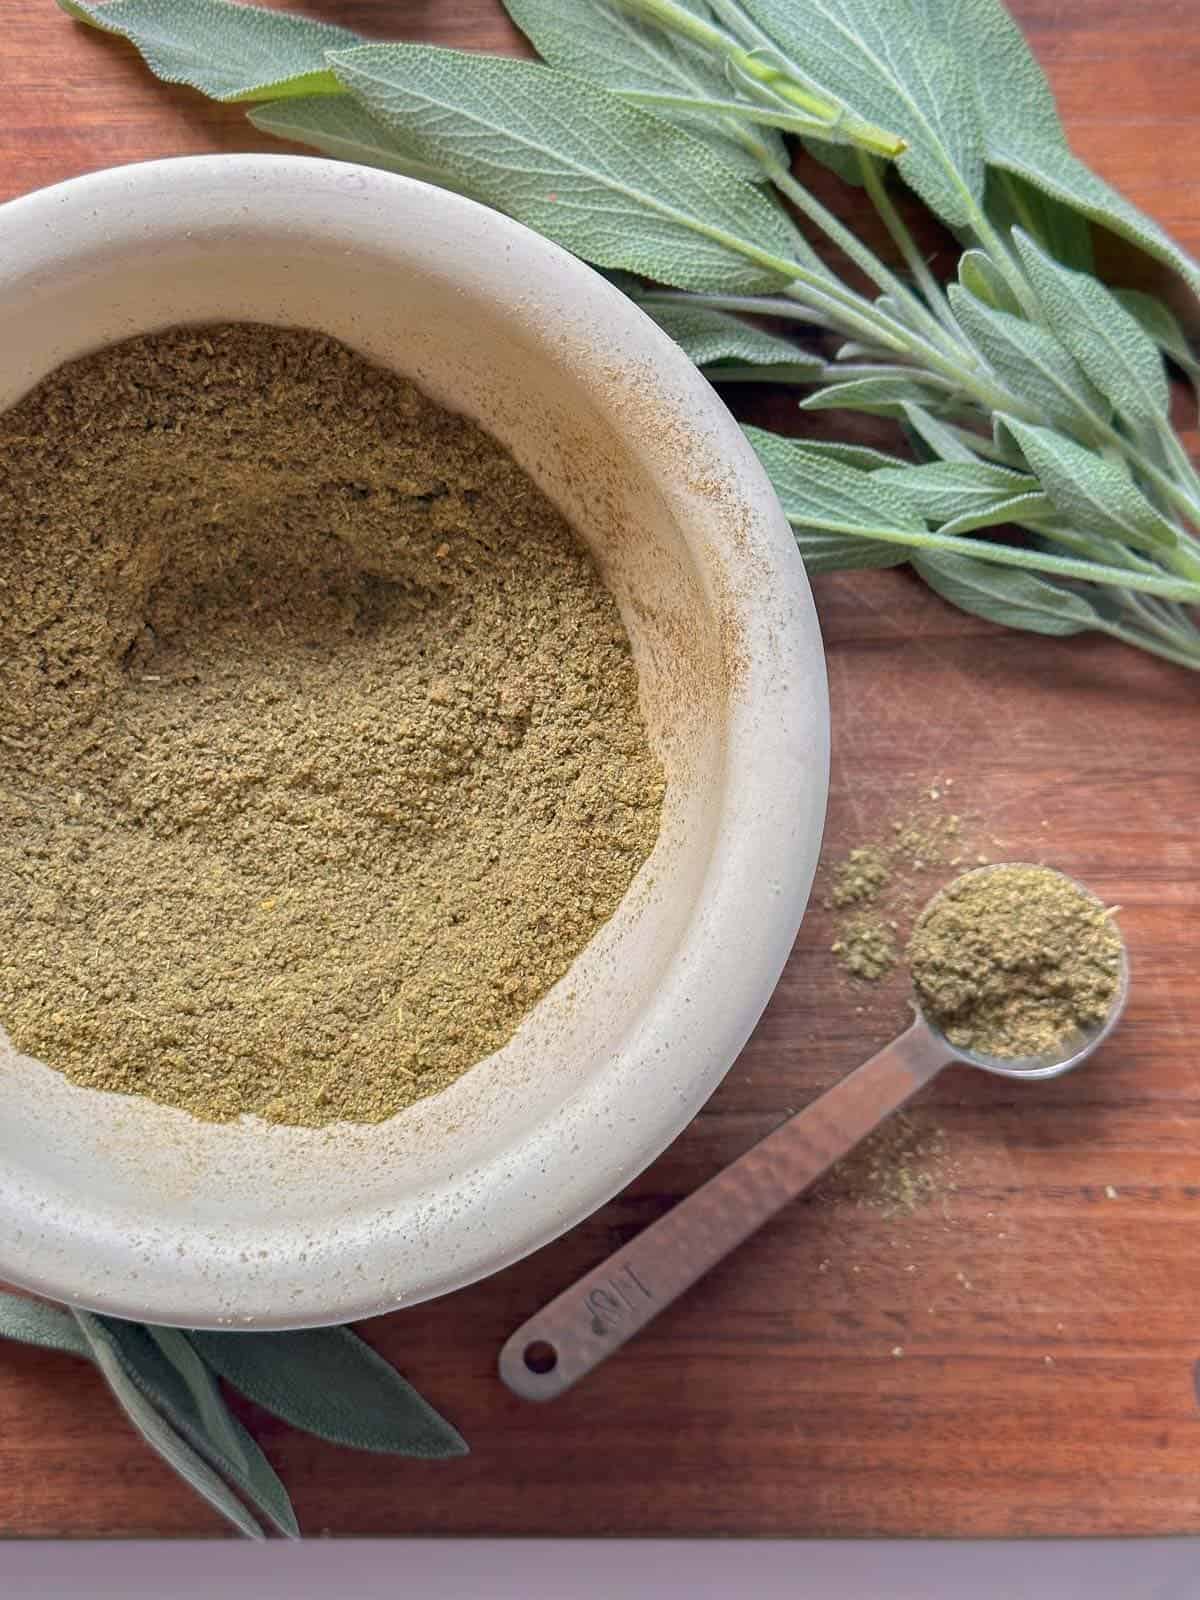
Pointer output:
x,y
1014,960
321,754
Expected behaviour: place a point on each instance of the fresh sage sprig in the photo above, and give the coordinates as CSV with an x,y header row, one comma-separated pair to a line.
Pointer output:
x,y
324,1381
652,140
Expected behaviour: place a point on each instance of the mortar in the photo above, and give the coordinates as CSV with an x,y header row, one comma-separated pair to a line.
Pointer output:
x,y
125,1206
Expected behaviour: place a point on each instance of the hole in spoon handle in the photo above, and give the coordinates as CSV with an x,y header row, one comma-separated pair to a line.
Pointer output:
x,y
594,1317
586,1323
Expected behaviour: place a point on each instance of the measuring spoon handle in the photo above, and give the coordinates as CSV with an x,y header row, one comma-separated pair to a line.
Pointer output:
x,y
596,1315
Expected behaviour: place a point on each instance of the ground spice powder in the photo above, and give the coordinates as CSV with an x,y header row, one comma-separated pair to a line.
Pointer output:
x,y
860,877
320,749
1014,960
876,882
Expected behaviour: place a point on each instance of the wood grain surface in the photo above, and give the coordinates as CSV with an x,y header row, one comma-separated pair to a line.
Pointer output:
x,y
1012,1355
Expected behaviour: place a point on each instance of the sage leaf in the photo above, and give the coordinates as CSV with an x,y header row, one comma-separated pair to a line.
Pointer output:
x,y
1030,510
1111,346
879,397
159,1434
226,51
839,158
1002,594
1022,132
338,126
202,1387
619,187
245,1467
1160,322
830,498
1090,491
785,372
711,338
941,491
328,1382
980,276
888,64
935,435
1011,202
850,455
1035,366
34,1322
749,115
834,508
1162,326
841,552
600,40
853,351
1005,448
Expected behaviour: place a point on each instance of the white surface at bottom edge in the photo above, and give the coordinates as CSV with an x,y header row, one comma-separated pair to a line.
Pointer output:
x,y
599,1569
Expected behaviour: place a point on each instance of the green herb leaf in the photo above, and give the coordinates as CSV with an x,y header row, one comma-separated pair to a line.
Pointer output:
x,y
34,1322
1010,202
941,491
1003,594
600,40
159,1434
946,442
850,455
834,509
1090,491
1109,344
230,1448
840,552
1023,134
753,68
1005,448
226,51
1162,326
879,397
980,276
338,126
936,436
713,337
1032,363
830,498
1029,510
853,351
328,1382
202,1387
892,68
607,180
785,372
839,158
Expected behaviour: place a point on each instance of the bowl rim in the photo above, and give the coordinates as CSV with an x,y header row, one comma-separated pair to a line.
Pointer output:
x,y
782,667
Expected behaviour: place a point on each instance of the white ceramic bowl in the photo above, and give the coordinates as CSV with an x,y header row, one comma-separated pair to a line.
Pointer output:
x,y
129,1207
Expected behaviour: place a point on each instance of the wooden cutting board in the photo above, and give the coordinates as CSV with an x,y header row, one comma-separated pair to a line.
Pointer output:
x,y
994,1332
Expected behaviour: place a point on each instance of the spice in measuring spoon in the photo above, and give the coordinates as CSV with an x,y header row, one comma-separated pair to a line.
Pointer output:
x,y
1013,961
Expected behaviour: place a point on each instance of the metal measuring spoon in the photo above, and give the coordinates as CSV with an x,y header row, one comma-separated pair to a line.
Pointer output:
x,y
594,1317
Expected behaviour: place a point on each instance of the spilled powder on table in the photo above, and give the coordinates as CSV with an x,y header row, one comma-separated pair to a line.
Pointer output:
x,y
874,893
876,889
904,1167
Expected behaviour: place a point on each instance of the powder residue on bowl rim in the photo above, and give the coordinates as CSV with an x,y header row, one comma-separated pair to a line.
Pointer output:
x,y
320,749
